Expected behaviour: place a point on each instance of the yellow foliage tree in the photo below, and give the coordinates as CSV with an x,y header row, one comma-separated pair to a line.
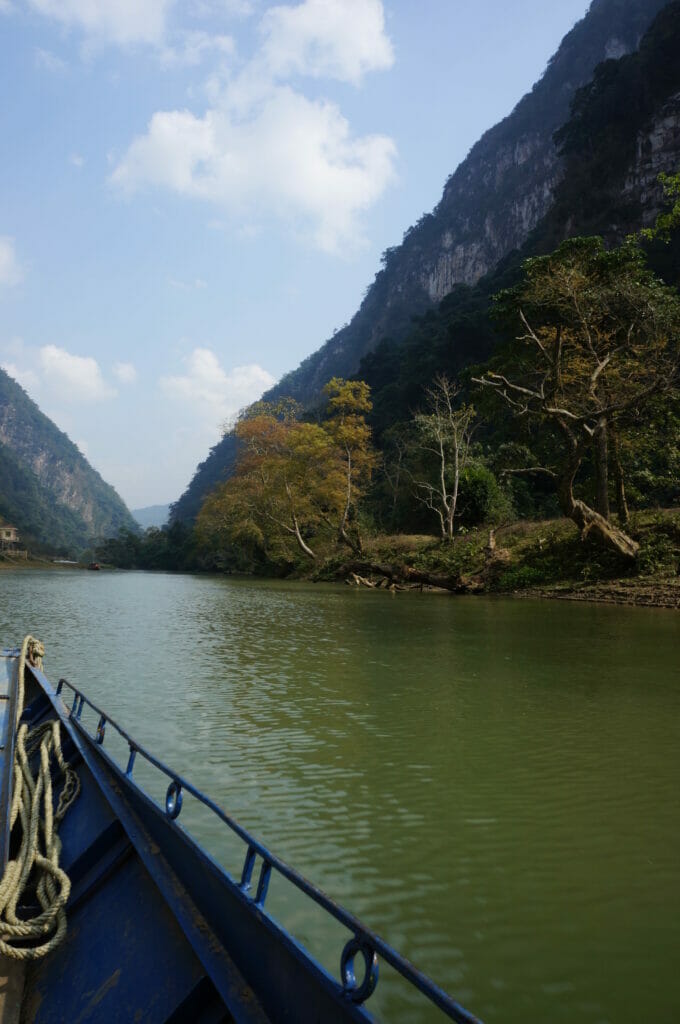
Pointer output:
x,y
288,482
349,401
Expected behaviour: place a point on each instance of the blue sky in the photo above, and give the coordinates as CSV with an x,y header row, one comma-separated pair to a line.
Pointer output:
x,y
194,194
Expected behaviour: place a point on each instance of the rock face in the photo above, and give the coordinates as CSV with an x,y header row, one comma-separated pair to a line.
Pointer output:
x,y
490,204
657,151
47,487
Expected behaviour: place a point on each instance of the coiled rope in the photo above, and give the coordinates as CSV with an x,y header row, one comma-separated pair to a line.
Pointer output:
x,y
35,870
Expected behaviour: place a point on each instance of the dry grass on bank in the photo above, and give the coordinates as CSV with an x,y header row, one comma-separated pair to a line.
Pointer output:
x,y
546,558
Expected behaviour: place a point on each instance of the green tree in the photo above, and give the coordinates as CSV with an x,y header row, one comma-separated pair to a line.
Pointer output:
x,y
669,220
598,340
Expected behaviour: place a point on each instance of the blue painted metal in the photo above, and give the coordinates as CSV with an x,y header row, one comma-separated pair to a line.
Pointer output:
x,y
8,694
358,991
173,797
143,889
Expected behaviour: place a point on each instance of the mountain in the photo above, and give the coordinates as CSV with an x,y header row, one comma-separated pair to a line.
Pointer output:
x,y
490,203
490,206
151,515
623,132
47,487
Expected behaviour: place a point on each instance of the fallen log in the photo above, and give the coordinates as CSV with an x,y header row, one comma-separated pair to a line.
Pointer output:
x,y
397,573
360,581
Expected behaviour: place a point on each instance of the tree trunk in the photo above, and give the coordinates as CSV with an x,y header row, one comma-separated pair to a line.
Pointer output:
x,y
621,503
406,574
298,536
354,545
587,519
295,529
601,460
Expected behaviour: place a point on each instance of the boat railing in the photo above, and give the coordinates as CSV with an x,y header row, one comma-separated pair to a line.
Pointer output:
x,y
364,943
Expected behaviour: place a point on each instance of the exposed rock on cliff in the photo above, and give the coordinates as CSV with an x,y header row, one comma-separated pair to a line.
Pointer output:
x,y
47,487
501,198
490,204
657,152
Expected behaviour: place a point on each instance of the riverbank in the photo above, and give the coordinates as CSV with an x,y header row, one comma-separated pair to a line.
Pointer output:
x,y
526,558
544,559
34,562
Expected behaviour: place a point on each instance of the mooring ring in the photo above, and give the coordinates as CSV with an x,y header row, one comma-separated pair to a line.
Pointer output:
x,y
358,993
173,799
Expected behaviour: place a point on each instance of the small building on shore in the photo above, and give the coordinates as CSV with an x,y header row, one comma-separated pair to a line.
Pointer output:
x,y
9,535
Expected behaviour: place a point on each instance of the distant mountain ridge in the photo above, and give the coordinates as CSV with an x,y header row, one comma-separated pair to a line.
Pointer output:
x,y
151,515
490,206
48,489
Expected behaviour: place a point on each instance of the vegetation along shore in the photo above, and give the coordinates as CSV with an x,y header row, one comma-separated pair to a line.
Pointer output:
x,y
551,469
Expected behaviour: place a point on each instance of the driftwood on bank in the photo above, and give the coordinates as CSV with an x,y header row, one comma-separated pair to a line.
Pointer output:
x,y
358,571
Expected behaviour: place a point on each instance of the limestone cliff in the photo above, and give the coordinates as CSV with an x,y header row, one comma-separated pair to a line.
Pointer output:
x,y
47,487
516,190
490,204
657,152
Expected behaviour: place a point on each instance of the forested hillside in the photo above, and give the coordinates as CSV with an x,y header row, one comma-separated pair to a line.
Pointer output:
x,y
47,487
624,131
543,397
491,205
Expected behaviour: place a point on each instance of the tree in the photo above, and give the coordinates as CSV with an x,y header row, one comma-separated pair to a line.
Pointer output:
x,y
349,401
288,481
668,220
395,444
444,432
599,338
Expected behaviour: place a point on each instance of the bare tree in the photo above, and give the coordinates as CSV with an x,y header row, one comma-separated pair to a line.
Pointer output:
x,y
443,431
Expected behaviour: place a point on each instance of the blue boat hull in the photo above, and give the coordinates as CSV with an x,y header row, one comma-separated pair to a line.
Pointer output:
x,y
158,931
138,946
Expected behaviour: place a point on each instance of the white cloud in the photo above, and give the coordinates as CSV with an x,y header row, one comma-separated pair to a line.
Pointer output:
x,y
77,160
123,22
28,379
131,22
193,47
11,272
263,148
125,373
340,39
212,392
223,8
73,378
295,158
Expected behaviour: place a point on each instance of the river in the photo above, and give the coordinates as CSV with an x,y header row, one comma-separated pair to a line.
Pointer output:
x,y
492,785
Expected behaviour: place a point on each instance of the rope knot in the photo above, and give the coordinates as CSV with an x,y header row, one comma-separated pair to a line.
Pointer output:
x,y
34,889
35,652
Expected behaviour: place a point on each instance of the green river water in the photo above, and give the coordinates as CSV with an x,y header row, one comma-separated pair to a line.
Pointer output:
x,y
492,785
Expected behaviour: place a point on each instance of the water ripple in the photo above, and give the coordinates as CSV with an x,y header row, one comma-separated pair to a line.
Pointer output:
x,y
491,785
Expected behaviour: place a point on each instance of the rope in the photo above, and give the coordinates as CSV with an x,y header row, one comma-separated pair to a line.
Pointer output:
x,y
35,869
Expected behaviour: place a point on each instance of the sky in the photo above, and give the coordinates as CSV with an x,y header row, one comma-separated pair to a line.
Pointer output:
x,y
195,193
